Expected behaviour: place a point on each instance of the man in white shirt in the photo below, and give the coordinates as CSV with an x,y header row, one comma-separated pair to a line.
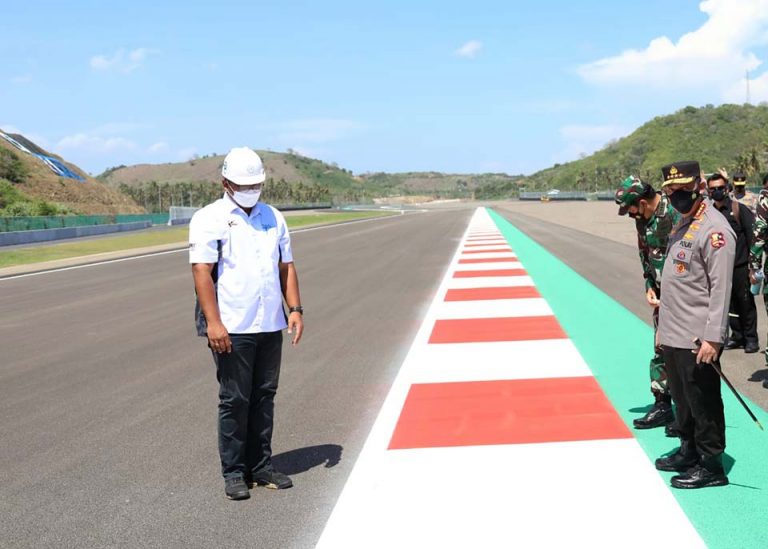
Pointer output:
x,y
242,265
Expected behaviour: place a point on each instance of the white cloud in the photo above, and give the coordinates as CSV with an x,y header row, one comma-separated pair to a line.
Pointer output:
x,y
316,130
85,142
21,79
470,49
717,53
159,147
122,60
584,140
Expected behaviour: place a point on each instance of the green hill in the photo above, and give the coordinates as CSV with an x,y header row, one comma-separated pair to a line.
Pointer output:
x,y
733,136
29,187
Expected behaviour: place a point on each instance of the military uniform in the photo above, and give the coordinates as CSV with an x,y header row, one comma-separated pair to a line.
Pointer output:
x,y
652,235
696,284
759,237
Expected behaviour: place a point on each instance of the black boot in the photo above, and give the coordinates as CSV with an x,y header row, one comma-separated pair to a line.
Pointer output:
x,y
660,414
683,459
709,472
751,347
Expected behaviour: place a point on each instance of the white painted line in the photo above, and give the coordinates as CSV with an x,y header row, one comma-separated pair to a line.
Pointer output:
x,y
489,282
523,495
476,249
492,308
501,256
496,361
496,265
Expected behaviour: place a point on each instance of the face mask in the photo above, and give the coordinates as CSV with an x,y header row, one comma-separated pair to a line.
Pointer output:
x,y
717,194
246,199
739,190
683,200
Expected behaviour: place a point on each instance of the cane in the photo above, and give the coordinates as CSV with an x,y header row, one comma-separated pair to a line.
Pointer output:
x,y
697,341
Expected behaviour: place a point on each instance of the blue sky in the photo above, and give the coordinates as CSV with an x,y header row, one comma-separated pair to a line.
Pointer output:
x,y
392,86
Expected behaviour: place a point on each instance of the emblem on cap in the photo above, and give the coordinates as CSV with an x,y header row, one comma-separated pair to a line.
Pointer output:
x,y
672,171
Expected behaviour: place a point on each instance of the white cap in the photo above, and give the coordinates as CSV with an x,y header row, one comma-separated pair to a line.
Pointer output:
x,y
242,166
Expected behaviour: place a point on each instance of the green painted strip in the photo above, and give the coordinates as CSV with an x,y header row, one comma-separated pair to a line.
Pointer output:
x,y
617,345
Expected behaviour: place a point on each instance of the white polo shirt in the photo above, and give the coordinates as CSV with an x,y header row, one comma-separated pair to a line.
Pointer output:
x,y
249,294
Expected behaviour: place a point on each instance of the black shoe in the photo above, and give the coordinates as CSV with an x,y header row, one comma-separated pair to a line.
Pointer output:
x,y
751,347
733,344
670,431
236,488
700,477
660,414
683,459
270,478
765,383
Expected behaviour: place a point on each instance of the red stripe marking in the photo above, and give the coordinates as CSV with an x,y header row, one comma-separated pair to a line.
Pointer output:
x,y
507,249
477,294
492,243
495,272
475,330
483,260
521,411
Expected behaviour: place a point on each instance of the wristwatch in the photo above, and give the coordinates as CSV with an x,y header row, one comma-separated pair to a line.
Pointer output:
x,y
299,309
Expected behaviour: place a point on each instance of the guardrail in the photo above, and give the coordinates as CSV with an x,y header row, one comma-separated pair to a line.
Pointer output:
x,y
43,235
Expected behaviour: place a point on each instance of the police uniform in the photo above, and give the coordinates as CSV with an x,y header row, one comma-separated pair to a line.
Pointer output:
x,y
652,236
696,286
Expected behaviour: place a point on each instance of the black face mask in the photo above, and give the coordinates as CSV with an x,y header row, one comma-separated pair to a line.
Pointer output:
x,y
717,194
739,190
683,200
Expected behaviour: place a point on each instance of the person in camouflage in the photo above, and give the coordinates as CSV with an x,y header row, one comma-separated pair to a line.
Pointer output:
x,y
759,237
740,192
654,219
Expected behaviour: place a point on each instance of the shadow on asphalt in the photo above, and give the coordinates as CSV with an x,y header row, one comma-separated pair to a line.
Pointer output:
x,y
759,375
304,459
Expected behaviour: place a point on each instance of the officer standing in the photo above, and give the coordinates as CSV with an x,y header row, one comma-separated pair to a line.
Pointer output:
x,y
740,192
693,315
654,219
242,265
742,313
759,237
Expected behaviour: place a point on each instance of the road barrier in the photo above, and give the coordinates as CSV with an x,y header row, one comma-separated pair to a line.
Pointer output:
x,y
43,235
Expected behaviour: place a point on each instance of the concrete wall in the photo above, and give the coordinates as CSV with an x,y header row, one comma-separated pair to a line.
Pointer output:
x,y
43,235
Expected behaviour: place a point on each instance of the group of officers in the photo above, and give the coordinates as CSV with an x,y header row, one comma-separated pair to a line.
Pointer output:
x,y
700,241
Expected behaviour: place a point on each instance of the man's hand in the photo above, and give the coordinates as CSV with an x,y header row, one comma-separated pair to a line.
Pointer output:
x,y
752,279
295,327
218,338
651,298
707,351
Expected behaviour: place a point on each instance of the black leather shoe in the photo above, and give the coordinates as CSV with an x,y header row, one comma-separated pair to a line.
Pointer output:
x,y
765,383
751,347
270,478
683,459
660,414
236,488
733,344
700,477
670,431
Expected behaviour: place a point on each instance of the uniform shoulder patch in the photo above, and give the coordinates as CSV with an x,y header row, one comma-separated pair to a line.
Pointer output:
x,y
717,240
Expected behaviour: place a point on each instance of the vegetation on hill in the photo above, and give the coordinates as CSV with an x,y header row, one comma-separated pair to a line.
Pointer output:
x,y
29,187
732,136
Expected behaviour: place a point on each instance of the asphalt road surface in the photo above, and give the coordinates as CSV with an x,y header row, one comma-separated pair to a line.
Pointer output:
x,y
108,399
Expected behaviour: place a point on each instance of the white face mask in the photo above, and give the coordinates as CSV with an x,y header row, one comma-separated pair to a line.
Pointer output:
x,y
246,199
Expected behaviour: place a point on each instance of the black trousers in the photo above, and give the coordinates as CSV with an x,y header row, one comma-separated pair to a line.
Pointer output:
x,y
695,389
742,314
248,378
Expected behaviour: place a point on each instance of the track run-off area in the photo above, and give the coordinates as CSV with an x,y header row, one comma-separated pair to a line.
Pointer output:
x,y
458,386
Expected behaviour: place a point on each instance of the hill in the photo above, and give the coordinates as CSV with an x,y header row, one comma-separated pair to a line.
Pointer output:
x,y
304,180
29,186
733,136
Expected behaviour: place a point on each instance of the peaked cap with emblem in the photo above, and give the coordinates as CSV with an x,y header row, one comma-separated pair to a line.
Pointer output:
x,y
680,173
629,192
739,179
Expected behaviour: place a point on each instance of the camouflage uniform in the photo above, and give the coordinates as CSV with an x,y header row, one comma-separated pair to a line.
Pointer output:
x,y
652,237
759,237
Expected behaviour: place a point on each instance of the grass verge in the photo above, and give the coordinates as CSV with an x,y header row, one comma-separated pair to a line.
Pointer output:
x,y
37,254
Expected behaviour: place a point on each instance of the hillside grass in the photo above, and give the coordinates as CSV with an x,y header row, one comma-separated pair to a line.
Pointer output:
x,y
67,250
